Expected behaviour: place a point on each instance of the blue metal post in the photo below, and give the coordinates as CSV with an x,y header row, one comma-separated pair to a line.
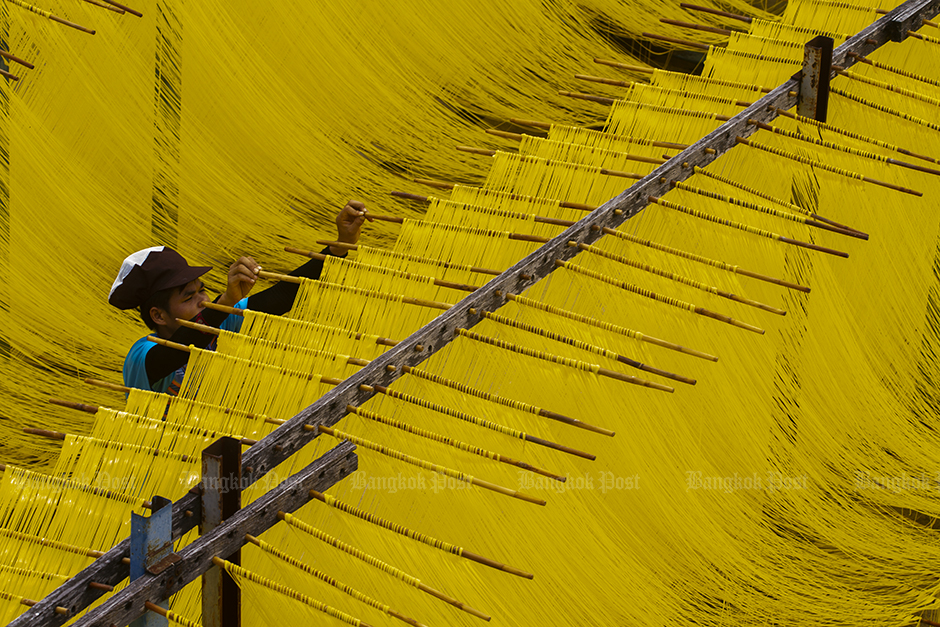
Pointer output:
x,y
151,543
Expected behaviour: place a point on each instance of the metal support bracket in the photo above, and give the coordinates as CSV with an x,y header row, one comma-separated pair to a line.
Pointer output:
x,y
813,101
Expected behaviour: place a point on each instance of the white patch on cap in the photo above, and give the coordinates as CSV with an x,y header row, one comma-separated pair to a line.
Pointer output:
x,y
133,260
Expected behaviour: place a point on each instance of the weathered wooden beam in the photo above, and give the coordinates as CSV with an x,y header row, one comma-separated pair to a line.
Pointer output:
x,y
328,410
127,604
892,27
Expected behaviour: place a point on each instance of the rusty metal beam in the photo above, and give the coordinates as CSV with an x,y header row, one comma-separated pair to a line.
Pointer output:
x,y
221,499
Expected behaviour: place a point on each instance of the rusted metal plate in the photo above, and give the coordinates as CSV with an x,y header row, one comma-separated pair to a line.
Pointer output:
x,y
813,101
163,564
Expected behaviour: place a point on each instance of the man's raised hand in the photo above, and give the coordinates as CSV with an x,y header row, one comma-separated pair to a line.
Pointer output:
x,y
241,278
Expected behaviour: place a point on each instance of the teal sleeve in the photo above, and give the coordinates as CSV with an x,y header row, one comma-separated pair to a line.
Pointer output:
x,y
135,368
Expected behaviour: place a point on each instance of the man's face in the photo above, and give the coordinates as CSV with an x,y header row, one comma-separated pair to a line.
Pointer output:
x,y
185,303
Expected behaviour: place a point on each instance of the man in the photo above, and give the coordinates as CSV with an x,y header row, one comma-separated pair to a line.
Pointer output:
x,y
164,287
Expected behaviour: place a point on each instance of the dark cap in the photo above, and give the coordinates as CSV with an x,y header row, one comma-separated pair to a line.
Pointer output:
x,y
148,271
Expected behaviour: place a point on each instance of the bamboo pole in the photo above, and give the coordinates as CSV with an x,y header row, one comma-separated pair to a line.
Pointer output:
x,y
425,199
579,96
682,42
464,287
124,8
733,16
420,302
45,433
400,529
274,276
107,7
91,409
675,251
108,386
603,81
7,55
434,183
486,152
565,204
657,297
858,153
392,219
381,341
548,125
888,68
793,217
29,603
496,399
480,483
56,435
446,185
100,586
533,123
52,17
746,228
526,302
604,372
776,201
271,550
231,568
369,415
462,416
71,484
627,155
624,66
671,276
443,264
869,140
508,135
888,87
583,346
859,177
702,27
346,548
55,544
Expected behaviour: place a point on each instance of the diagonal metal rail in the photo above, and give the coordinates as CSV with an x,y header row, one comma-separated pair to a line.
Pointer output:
x,y
126,605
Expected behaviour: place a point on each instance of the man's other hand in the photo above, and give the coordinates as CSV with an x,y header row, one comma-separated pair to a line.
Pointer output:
x,y
349,223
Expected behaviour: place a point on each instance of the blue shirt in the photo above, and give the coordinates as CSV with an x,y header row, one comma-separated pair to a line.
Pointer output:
x,y
135,364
